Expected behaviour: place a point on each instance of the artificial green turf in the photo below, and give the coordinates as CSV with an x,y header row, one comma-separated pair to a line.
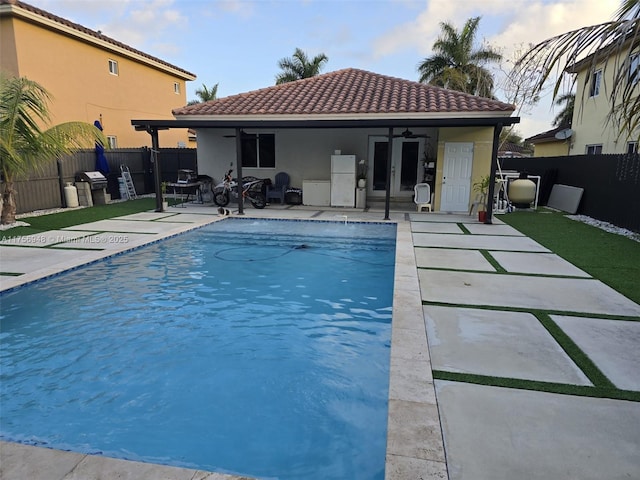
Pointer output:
x,y
611,258
56,221
561,388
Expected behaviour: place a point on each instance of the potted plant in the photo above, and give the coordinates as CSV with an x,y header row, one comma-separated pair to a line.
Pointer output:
x,y
482,188
163,189
362,174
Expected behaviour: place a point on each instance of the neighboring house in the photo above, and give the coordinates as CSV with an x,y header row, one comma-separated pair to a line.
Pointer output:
x,y
296,127
592,134
547,144
510,150
91,76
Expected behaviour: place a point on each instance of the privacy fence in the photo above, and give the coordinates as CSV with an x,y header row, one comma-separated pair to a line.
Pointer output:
x,y
45,189
611,183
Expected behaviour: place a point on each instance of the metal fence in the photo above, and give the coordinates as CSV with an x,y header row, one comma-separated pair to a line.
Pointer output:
x,y
611,183
45,188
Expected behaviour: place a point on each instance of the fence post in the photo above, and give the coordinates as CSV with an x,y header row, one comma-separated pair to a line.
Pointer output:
x,y
63,200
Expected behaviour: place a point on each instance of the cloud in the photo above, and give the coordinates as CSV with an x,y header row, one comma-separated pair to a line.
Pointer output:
x,y
505,23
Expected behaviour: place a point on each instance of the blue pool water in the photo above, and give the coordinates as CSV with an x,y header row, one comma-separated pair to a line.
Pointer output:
x,y
251,347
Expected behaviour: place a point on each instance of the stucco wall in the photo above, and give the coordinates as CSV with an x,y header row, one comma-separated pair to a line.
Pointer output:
x,y
77,75
305,154
551,149
482,138
590,115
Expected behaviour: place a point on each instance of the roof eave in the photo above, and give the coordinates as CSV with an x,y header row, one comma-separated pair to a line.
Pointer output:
x,y
312,122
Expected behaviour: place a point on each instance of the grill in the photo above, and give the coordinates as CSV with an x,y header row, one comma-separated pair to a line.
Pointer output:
x,y
96,180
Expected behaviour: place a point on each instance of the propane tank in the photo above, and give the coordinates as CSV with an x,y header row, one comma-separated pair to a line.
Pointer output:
x,y
71,195
522,191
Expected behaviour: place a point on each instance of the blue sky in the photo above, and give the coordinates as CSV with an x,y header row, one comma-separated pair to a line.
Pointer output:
x,y
237,43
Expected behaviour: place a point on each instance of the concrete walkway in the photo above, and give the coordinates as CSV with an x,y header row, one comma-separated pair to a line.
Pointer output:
x,y
485,325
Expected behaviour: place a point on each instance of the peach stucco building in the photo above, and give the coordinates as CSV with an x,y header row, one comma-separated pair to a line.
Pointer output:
x,y
91,76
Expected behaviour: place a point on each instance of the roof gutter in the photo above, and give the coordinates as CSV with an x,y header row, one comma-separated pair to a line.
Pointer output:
x,y
328,123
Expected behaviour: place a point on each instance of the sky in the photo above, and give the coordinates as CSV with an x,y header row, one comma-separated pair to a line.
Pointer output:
x,y
238,43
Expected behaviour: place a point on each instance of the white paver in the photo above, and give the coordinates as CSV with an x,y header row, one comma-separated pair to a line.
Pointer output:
x,y
613,345
492,289
494,433
432,227
440,218
129,226
452,259
478,242
44,239
493,229
107,241
497,343
23,259
537,263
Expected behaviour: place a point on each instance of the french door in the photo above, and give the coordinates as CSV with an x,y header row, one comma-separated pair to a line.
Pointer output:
x,y
404,166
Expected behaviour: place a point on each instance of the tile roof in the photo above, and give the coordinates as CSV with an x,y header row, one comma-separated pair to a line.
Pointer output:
x,y
96,34
348,92
548,136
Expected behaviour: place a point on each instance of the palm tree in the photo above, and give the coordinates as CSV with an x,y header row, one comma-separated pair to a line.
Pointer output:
x,y
24,146
614,38
565,116
299,66
456,64
205,94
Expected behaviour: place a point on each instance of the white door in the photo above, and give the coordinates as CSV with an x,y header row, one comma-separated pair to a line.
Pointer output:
x,y
404,166
456,176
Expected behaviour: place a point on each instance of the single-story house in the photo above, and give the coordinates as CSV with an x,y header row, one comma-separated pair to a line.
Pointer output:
x,y
552,143
404,132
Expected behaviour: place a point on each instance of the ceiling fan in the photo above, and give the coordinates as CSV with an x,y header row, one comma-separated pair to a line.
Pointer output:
x,y
243,134
409,134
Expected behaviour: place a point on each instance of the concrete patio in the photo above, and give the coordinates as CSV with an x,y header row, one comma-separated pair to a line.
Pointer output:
x,y
454,312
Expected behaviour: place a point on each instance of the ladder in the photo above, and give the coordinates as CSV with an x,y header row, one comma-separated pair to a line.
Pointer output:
x,y
128,182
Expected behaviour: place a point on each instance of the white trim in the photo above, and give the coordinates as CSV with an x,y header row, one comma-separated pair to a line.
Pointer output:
x,y
346,116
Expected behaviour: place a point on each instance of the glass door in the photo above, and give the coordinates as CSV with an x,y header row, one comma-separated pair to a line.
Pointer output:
x,y
404,166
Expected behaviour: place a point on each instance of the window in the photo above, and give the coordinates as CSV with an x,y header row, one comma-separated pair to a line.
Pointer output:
x,y
176,87
113,141
632,147
594,149
596,78
634,68
113,67
259,150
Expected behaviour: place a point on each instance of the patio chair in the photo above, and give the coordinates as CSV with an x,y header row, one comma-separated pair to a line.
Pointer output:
x,y
278,189
422,197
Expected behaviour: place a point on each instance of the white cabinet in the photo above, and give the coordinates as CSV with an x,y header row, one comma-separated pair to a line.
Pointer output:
x,y
316,192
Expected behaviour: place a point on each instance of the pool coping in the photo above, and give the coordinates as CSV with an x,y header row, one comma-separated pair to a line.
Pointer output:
x,y
414,436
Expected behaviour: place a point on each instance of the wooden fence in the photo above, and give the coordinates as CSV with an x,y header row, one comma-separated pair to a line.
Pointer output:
x,y
44,189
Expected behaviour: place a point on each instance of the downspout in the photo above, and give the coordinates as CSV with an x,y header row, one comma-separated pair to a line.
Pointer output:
x,y
492,174
157,175
239,170
387,198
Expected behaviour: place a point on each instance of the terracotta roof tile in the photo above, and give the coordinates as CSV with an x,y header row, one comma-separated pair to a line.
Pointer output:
x,y
349,91
88,31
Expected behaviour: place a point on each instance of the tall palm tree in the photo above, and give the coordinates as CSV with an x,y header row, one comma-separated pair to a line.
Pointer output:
x,y
616,38
457,64
299,66
565,116
205,94
24,146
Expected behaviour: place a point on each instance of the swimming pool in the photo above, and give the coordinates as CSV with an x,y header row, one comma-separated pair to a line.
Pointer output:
x,y
252,347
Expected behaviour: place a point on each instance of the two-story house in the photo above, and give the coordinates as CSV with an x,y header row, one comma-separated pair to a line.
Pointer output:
x,y
91,76
592,131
